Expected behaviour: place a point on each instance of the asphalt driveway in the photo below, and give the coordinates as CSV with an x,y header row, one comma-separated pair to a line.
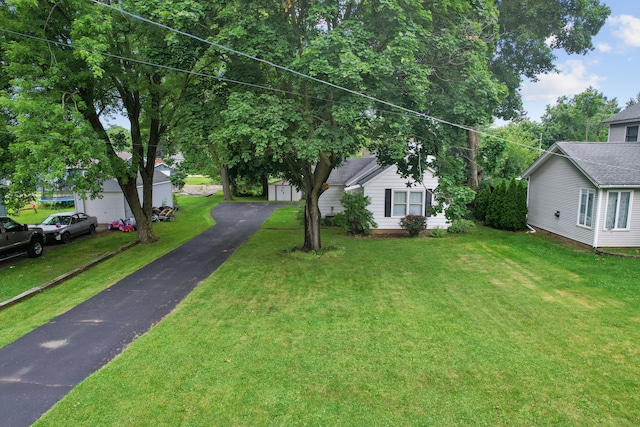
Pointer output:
x,y
43,366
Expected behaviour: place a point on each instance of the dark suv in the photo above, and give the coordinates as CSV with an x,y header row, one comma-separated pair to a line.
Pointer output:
x,y
17,239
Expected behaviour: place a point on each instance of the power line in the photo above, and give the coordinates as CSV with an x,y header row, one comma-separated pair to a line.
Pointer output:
x,y
298,73
412,113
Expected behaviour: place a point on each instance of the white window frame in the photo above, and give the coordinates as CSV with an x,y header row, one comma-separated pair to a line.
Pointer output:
x,y
407,204
582,216
617,210
626,133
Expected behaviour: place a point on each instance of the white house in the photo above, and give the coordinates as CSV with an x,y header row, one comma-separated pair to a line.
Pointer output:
x,y
112,205
392,197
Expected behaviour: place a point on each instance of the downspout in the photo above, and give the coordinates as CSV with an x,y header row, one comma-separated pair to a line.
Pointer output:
x,y
531,229
596,231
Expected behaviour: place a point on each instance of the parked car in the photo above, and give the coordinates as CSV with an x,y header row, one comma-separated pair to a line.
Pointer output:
x,y
17,239
63,226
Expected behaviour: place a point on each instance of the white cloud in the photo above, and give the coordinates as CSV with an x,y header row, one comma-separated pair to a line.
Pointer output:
x,y
604,47
625,27
571,79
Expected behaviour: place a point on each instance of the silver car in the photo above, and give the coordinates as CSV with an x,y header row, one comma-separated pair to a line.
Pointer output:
x,y
63,226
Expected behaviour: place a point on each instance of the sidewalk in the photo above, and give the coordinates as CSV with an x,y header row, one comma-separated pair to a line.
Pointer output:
x,y
43,366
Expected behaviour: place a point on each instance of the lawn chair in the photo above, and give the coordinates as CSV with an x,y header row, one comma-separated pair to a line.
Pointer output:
x,y
167,214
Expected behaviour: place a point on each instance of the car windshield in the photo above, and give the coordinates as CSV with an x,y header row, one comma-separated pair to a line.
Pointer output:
x,y
56,219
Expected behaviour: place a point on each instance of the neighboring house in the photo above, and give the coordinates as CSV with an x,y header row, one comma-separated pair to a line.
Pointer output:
x,y
588,191
113,206
161,166
392,197
284,191
623,127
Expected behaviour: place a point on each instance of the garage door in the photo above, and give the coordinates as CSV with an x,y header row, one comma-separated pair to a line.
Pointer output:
x,y
107,209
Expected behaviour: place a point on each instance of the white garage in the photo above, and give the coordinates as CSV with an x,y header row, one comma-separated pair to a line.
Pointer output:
x,y
112,204
283,191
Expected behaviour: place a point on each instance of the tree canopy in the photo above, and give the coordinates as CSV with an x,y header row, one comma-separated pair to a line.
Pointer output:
x,y
73,63
578,118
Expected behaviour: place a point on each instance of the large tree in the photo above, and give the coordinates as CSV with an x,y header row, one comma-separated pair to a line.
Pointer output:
x,y
389,50
85,62
578,118
530,31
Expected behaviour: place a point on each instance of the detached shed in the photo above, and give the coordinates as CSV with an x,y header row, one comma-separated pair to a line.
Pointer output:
x,y
112,205
283,191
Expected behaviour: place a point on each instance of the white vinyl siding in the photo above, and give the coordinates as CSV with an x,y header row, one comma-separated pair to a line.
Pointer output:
x,y
619,132
555,187
585,212
389,178
630,237
329,201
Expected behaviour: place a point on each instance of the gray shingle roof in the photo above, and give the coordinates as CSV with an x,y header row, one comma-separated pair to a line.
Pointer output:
x,y
605,163
354,170
629,114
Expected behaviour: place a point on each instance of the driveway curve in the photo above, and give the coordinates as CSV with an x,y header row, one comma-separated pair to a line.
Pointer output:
x,y
40,368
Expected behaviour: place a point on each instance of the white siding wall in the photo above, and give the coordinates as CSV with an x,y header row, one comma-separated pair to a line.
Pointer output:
x,y
618,133
162,195
390,179
331,199
555,186
621,238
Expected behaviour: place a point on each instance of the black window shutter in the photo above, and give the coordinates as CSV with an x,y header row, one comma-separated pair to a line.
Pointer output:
x,y
427,204
387,202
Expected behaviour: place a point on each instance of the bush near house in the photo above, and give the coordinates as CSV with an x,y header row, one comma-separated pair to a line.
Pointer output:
x,y
356,218
414,224
460,226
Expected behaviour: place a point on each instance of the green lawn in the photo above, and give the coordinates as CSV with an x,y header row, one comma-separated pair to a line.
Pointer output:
x,y
192,218
198,180
29,216
491,328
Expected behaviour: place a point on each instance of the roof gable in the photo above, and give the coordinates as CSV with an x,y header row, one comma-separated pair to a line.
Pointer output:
x,y
603,163
354,170
629,114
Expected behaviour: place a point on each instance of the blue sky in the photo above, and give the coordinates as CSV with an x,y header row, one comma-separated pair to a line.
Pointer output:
x,y
612,68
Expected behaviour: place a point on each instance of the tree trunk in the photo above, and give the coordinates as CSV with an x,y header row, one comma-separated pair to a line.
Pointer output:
x,y
265,187
473,144
143,222
226,186
311,223
315,179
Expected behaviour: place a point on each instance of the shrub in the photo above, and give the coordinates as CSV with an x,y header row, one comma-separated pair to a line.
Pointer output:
x,y
437,232
356,218
414,224
507,207
460,226
481,204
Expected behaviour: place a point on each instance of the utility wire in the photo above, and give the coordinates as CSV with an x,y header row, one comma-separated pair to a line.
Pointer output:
x,y
342,88
405,111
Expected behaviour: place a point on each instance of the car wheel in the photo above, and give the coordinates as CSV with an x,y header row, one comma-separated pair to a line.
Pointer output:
x,y
66,238
35,248
92,229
